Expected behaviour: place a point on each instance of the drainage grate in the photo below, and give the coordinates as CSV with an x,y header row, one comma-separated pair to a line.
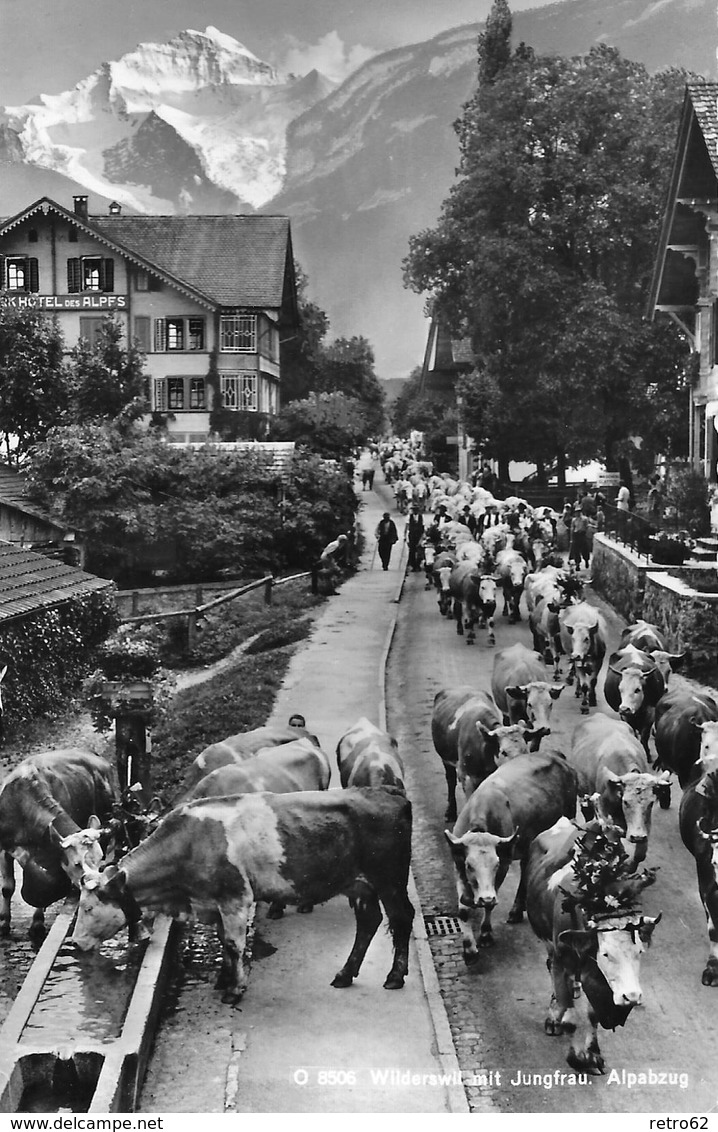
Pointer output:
x,y
442,925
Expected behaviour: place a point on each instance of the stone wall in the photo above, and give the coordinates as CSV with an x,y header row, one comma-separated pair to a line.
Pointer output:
x,y
637,589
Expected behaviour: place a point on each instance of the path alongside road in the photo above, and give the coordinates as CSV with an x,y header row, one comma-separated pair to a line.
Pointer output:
x,y
297,1044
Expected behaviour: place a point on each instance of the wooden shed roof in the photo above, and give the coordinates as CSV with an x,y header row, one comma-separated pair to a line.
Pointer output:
x,y
29,582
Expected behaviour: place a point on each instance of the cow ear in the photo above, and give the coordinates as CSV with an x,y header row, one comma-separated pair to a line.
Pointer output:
x,y
579,945
456,845
646,926
569,629
554,692
93,822
614,780
2,674
516,691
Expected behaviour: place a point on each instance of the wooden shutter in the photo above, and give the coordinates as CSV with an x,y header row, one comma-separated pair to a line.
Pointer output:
x,y
2,272
160,335
33,275
108,279
142,332
73,276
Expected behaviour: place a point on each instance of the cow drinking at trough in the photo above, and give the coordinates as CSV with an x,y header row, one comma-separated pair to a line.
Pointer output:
x,y
593,945
47,798
217,856
698,824
497,824
469,737
521,690
583,639
613,772
633,687
368,756
474,597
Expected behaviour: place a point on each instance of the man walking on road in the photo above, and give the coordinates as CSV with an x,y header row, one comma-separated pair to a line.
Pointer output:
x,y
386,536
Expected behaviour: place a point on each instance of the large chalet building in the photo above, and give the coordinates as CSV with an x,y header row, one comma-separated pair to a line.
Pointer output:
x,y
685,279
210,299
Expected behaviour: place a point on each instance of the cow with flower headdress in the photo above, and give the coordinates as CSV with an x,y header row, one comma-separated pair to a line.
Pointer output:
x,y
582,901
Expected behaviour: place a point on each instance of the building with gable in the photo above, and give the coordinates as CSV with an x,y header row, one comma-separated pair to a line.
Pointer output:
x,y
685,278
210,299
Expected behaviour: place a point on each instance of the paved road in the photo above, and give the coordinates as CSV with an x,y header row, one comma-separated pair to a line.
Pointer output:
x,y
496,1012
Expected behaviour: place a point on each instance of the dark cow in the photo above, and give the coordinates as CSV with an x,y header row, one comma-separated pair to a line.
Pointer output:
x,y
583,639
698,823
474,597
613,771
45,800
521,690
510,573
470,739
600,957
281,770
237,748
498,824
678,735
633,687
217,856
649,639
368,756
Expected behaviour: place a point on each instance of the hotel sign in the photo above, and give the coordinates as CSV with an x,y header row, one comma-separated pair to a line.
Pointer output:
x,y
84,302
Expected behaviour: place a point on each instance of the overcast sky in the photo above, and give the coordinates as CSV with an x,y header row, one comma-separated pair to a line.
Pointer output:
x,y
46,46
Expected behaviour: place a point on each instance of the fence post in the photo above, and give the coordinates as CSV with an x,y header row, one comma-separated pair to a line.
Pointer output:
x,y
268,583
191,630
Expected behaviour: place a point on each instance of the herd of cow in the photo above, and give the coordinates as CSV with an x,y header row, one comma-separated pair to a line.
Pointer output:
x,y
549,809
254,819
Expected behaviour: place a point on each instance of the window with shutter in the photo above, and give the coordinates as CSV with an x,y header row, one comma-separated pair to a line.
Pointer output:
x,y
17,273
92,273
159,394
108,283
160,335
73,276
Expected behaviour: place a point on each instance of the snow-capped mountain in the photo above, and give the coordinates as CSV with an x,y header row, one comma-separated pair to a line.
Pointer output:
x,y
196,123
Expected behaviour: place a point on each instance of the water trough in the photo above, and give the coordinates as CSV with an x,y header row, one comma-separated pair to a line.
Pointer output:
x,y
79,1033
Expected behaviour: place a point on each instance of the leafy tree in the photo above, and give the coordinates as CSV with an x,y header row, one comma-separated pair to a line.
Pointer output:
x,y
300,355
108,378
34,389
347,366
544,250
495,42
328,424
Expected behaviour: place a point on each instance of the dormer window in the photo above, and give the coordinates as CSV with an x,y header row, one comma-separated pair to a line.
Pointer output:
x,y
19,273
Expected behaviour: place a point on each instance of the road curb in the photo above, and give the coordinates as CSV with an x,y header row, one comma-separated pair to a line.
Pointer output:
x,y
445,1049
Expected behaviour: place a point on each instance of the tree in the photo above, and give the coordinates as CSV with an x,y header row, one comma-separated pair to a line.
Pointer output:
x,y
34,390
495,42
108,378
328,424
543,253
300,354
347,366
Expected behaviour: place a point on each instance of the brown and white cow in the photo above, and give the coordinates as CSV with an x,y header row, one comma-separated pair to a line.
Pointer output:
x,y
496,826
633,686
522,691
583,639
474,596
284,769
470,739
216,857
368,756
45,800
599,957
649,639
237,748
678,736
698,824
613,771
510,573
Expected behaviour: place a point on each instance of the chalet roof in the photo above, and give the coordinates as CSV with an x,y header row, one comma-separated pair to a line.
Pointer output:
x,y
236,261
693,189
29,582
233,260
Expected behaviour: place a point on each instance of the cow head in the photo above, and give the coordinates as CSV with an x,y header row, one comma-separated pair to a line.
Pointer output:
x,y
477,857
616,947
631,689
583,638
105,907
628,799
538,698
708,757
667,662
487,590
81,851
509,740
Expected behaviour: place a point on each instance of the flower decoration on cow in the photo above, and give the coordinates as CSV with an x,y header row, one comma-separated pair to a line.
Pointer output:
x,y
604,886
